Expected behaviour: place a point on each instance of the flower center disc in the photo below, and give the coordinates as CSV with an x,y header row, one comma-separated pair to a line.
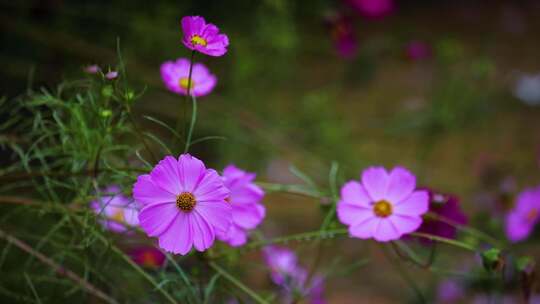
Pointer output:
x,y
185,201
198,40
185,83
382,208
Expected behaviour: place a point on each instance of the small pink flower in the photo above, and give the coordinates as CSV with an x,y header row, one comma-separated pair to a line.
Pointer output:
x,y
111,75
175,75
343,35
118,212
147,256
92,69
521,220
373,8
184,204
247,211
283,264
383,206
203,37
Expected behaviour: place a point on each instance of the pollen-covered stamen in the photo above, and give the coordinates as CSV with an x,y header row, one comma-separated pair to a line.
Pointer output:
x,y
118,216
198,40
185,83
382,208
185,201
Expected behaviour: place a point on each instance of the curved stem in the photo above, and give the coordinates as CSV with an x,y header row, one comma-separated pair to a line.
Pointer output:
x,y
191,124
255,296
444,240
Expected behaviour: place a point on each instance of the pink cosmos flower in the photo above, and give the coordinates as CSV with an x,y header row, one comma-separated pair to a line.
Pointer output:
x,y
203,37
147,256
286,272
111,75
175,74
384,206
184,204
247,211
521,220
373,8
92,69
118,212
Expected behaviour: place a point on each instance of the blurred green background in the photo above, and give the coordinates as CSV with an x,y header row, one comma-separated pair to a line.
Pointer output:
x,y
285,96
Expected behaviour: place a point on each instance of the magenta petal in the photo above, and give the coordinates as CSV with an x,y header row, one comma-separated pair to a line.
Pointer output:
x,y
416,204
146,192
401,184
517,228
247,216
165,175
354,193
236,236
211,188
386,231
203,233
366,228
406,224
178,238
349,214
191,172
375,181
217,213
156,218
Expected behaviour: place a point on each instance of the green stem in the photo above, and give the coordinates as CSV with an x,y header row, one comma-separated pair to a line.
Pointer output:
x,y
191,124
444,240
183,113
238,284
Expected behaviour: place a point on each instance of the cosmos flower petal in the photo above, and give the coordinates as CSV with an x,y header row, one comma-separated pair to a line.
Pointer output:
x,y
406,224
165,175
178,238
364,229
211,188
354,193
203,232
175,74
386,231
217,212
247,216
375,180
349,214
145,191
236,236
212,42
517,227
191,172
416,204
401,184
155,219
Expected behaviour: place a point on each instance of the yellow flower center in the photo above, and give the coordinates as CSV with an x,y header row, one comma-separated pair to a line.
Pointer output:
x,y
531,215
186,201
382,208
185,83
198,40
118,216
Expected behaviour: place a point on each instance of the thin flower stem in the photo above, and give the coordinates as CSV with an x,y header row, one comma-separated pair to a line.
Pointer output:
x,y
444,240
238,284
292,189
57,268
183,114
191,124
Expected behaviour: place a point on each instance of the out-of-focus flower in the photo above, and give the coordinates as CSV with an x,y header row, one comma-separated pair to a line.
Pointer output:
x,y
147,256
449,291
373,8
343,35
118,212
92,69
286,272
527,89
521,220
448,208
184,204
418,50
111,75
384,206
203,37
175,75
247,211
